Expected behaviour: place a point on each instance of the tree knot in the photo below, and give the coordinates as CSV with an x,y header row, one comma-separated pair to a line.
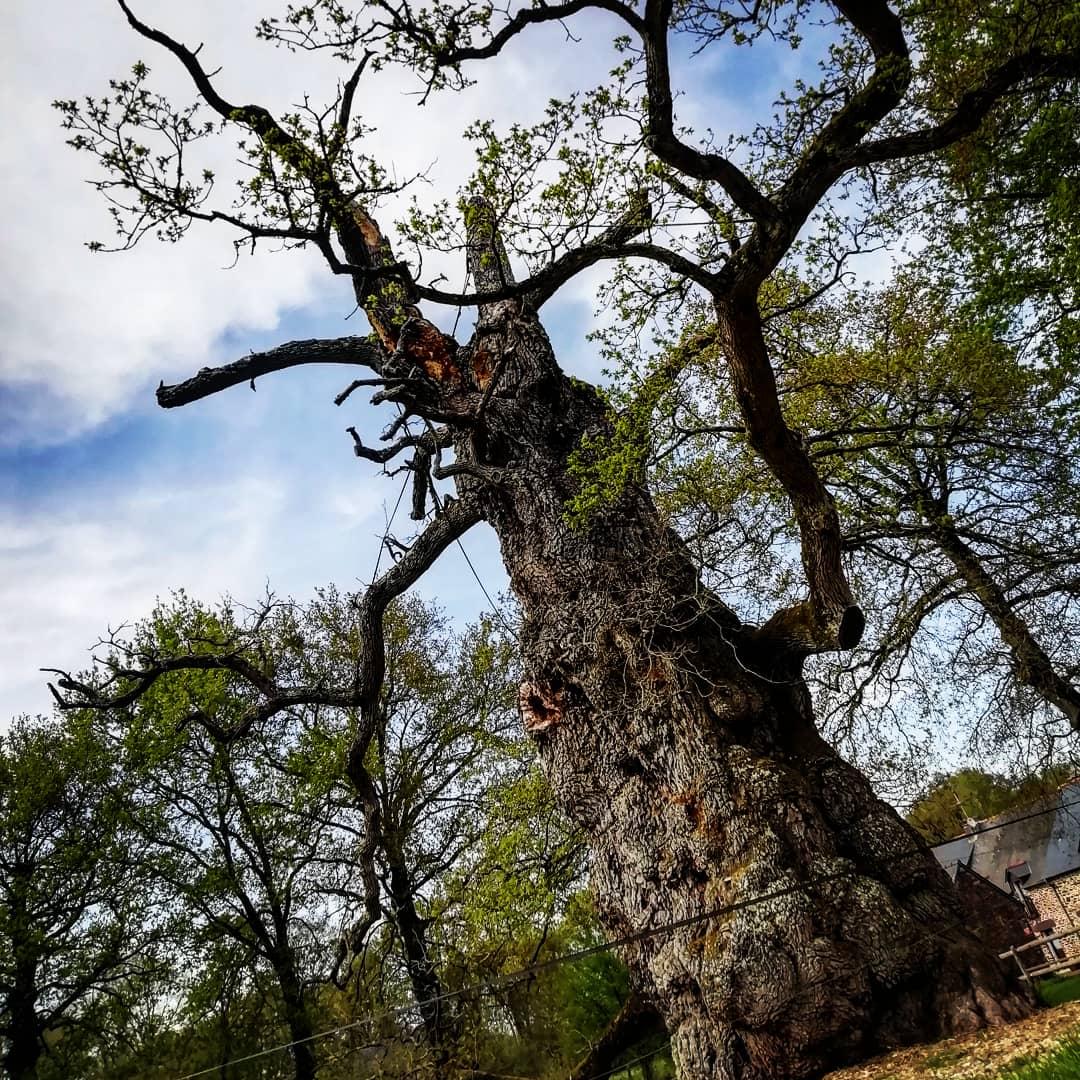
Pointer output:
x,y
542,708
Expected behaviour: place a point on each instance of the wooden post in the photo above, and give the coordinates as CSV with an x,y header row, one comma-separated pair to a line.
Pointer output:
x,y
1019,963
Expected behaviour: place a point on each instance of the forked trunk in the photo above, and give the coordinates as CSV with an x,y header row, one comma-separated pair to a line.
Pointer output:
x,y
688,752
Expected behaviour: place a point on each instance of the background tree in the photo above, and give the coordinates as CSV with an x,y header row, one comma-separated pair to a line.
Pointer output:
x,y
951,457
234,835
953,800
288,870
677,735
78,928
443,742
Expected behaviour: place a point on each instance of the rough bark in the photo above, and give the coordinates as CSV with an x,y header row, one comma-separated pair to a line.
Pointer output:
x,y
684,744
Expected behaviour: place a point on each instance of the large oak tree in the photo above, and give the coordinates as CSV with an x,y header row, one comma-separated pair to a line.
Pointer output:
x,y
811,927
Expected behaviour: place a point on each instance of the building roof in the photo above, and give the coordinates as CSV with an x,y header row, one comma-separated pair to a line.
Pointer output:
x,y
1045,836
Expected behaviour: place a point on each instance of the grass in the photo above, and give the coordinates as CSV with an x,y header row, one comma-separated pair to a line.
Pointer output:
x,y
941,1059
1061,1063
1058,989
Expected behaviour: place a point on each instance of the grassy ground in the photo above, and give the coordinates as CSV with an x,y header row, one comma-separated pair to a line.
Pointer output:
x,y
1058,989
1062,1063
1042,1047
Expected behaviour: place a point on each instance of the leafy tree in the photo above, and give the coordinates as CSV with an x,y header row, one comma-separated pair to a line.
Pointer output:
x,y
292,860
78,928
443,741
679,737
953,800
951,459
236,840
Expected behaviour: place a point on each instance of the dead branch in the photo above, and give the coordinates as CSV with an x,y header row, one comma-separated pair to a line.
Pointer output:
x,y
356,351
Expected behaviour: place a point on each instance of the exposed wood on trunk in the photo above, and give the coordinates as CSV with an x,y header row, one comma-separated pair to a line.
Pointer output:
x,y
386,301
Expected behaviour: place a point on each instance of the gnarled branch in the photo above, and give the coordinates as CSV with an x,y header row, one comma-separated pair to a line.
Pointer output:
x,y
357,351
972,108
661,138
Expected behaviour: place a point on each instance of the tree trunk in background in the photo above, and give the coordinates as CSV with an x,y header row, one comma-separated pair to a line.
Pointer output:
x,y
1031,664
23,1052
689,754
21,1026
297,1017
439,1016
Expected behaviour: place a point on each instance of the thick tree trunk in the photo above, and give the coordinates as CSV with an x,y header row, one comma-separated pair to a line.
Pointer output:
x,y
685,745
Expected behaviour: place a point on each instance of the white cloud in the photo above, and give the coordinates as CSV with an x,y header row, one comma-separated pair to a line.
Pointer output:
x,y
86,337
69,574
73,569
92,332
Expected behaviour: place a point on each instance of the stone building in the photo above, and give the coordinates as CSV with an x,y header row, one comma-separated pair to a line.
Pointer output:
x,y
1000,919
1031,854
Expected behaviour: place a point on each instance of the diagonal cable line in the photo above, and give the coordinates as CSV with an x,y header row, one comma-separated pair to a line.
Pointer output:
x,y
511,978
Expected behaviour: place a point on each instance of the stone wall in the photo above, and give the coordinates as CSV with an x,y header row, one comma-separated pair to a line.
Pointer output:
x,y
1059,899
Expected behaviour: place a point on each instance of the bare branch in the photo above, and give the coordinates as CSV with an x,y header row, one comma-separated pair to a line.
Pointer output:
x,y
253,116
829,619
661,138
543,13
356,351
612,243
234,656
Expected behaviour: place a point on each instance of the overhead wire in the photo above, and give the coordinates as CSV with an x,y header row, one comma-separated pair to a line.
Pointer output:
x,y
512,978
494,607
386,533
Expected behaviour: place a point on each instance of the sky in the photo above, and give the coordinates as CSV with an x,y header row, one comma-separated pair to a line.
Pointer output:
x,y
106,501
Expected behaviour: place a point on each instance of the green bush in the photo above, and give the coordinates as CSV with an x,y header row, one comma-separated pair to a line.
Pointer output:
x,y
1058,989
